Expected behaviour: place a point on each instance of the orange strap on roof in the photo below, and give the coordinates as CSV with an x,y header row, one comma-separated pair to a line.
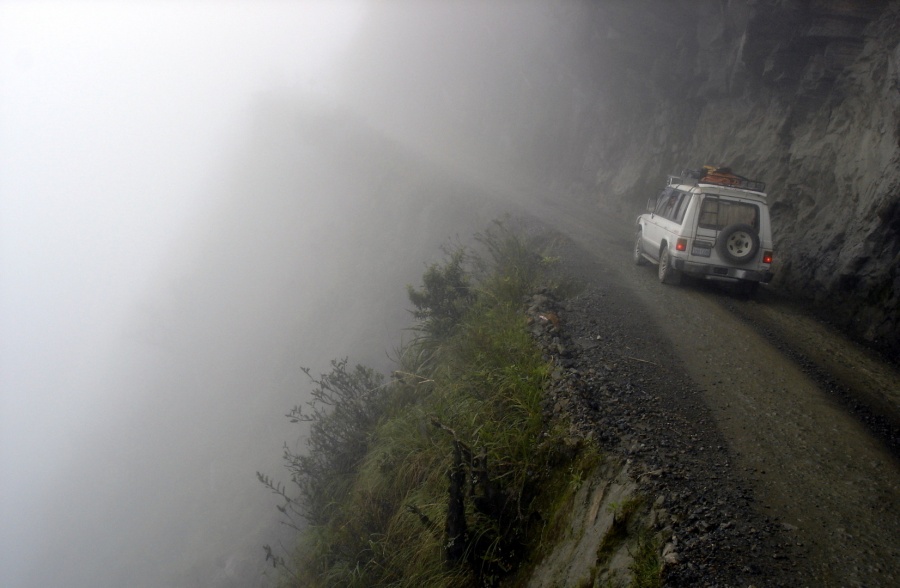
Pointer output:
x,y
722,176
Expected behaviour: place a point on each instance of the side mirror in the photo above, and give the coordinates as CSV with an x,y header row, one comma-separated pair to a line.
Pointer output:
x,y
651,204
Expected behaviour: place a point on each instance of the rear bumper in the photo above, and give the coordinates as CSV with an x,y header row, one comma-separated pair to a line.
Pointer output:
x,y
722,273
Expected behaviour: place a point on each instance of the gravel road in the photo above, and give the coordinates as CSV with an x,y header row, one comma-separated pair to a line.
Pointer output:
x,y
769,436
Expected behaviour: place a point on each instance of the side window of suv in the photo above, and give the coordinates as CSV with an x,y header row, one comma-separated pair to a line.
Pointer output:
x,y
672,205
664,201
683,199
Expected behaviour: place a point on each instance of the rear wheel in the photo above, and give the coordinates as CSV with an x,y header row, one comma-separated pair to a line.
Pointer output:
x,y
667,272
639,258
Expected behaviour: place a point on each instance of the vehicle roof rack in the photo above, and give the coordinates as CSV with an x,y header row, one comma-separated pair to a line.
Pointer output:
x,y
750,185
711,176
681,180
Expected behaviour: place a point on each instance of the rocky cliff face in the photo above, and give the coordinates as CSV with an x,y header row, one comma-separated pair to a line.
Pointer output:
x,y
804,95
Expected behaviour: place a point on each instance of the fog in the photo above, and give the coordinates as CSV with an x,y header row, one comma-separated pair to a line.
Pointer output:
x,y
197,199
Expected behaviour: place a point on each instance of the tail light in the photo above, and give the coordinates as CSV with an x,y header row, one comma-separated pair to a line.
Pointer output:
x,y
681,245
767,256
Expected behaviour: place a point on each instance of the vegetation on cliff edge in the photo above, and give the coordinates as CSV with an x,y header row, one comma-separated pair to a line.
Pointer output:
x,y
442,475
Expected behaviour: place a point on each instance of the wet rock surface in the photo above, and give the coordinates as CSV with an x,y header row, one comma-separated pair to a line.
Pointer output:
x,y
800,95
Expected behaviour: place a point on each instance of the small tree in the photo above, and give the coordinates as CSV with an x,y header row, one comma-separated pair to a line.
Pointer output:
x,y
445,296
345,408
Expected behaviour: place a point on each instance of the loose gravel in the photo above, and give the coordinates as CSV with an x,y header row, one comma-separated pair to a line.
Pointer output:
x,y
618,383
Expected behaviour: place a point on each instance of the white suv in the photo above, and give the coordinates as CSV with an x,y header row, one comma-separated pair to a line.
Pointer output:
x,y
709,224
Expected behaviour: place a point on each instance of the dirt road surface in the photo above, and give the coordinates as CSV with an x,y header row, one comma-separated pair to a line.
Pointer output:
x,y
809,417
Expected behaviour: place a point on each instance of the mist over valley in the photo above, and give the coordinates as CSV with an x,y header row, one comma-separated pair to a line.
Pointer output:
x,y
198,201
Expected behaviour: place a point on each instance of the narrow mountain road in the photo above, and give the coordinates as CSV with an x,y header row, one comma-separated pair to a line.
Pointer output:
x,y
809,417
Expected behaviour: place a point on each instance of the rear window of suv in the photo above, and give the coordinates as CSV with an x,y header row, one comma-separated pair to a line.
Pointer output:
x,y
717,213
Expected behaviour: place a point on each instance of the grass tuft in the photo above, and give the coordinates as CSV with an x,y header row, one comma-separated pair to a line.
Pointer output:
x,y
646,568
441,476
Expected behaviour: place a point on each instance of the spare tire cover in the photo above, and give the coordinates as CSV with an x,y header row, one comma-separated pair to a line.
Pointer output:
x,y
738,243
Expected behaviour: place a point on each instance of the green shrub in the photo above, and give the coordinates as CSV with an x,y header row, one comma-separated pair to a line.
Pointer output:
x,y
432,479
444,297
345,407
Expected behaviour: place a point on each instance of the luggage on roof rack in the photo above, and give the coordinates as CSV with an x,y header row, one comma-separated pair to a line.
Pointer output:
x,y
720,176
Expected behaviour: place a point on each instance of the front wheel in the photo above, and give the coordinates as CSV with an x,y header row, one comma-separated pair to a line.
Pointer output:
x,y
667,272
639,258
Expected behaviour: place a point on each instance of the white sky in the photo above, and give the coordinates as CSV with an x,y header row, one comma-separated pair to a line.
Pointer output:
x,y
113,119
